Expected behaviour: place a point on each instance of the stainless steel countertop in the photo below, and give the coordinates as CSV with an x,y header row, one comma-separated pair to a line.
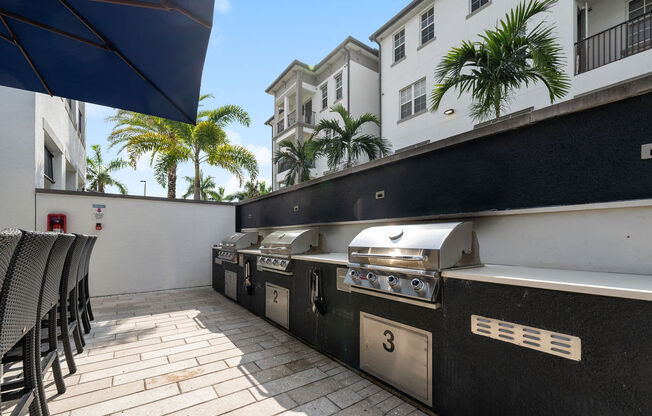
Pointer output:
x,y
621,285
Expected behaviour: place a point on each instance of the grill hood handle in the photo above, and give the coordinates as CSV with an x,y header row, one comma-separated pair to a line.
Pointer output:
x,y
404,257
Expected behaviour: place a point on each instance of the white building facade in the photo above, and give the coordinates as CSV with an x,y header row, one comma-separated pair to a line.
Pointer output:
x,y
303,96
605,42
43,146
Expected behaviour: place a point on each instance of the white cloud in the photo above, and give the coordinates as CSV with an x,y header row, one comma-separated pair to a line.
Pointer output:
x,y
263,153
222,6
98,111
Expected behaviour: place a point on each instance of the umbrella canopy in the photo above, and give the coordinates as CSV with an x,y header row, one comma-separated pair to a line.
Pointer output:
x,y
139,55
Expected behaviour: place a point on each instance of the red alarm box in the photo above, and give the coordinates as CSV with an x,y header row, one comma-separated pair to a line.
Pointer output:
x,y
57,223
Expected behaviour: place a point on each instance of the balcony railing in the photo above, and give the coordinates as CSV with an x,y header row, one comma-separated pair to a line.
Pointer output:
x,y
613,44
307,118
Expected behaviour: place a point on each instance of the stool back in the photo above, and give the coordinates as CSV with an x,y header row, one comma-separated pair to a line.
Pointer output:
x,y
21,288
54,271
8,241
69,277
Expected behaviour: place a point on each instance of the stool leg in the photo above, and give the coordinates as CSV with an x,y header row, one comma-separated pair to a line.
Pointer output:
x,y
2,369
74,314
88,301
38,369
65,335
30,373
82,307
53,346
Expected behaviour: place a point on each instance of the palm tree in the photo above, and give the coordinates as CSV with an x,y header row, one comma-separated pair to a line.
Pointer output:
x,y
207,142
171,142
507,58
207,188
347,143
251,189
141,133
298,158
98,174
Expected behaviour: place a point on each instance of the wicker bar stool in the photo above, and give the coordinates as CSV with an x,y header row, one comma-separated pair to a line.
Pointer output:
x,y
68,322
85,310
19,300
47,318
89,309
81,293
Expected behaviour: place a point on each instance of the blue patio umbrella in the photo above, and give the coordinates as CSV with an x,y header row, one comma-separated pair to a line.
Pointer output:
x,y
139,55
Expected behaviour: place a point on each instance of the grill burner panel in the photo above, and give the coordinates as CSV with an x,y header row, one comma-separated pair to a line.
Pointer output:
x,y
407,260
276,249
229,246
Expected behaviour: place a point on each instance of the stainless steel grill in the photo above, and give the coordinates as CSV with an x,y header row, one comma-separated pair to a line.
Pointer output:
x,y
407,260
277,248
228,248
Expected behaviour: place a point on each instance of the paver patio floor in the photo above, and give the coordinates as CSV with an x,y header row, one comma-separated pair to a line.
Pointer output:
x,y
194,352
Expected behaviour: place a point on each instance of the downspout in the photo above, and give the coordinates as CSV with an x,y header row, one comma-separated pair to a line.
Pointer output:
x,y
348,81
586,20
380,91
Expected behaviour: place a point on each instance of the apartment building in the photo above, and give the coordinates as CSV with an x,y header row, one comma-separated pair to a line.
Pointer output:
x,y
43,146
605,42
303,95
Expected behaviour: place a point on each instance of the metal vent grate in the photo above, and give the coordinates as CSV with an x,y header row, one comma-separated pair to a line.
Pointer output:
x,y
562,345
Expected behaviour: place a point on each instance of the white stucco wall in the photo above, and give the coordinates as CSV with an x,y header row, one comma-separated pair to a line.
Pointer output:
x,y
56,127
452,25
28,123
606,238
16,158
145,245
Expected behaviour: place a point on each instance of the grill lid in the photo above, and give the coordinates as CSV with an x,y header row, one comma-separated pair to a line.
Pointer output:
x,y
288,242
433,246
239,241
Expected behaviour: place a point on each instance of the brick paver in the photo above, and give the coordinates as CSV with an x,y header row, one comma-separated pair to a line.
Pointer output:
x,y
194,352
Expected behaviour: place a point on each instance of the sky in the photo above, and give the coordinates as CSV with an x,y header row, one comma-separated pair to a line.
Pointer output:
x,y
251,43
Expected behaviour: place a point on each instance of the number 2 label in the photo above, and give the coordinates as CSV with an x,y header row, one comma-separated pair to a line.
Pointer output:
x,y
275,296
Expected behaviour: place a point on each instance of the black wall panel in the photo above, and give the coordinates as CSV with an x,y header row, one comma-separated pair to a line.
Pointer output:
x,y
476,375
586,157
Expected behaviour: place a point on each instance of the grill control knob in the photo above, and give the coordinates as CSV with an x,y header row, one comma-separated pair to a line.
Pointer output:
x,y
268,260
372,278
355,276
275,262
283,263
417,285
393,281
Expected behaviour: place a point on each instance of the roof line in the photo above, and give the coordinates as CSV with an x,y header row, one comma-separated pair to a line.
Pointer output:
x,y
296,62
407,9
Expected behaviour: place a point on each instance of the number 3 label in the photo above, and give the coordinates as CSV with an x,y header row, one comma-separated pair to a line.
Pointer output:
x,y
389,345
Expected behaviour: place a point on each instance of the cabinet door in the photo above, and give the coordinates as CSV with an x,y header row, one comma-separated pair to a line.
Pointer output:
x,y
277,304
398,354
231,284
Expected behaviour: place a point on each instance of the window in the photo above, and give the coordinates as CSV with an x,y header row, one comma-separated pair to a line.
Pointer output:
x,y
412,99
48,165
80,122
338,87
399,45
476,4
639,7
428,26
324,96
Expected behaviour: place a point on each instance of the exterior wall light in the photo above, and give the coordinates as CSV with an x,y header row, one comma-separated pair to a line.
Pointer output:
x,y
449,111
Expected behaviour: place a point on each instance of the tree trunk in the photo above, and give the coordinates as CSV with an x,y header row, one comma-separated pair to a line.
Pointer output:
x,y
172,182
197,184
100,187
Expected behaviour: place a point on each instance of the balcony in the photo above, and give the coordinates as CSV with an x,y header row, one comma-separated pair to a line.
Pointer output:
x,y
307,119
613,44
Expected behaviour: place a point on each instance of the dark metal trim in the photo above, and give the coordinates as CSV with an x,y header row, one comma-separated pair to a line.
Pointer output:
x,y
124,58
164,5
93,194
16,42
